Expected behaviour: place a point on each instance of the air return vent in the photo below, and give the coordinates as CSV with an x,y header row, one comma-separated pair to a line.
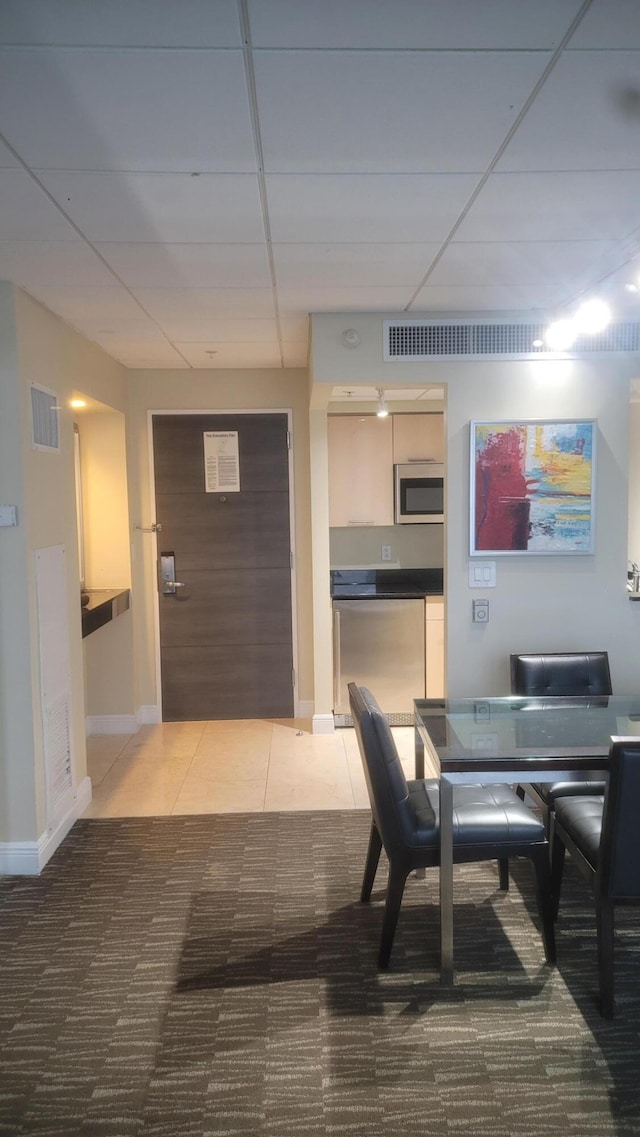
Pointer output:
x,y
45,419
467,339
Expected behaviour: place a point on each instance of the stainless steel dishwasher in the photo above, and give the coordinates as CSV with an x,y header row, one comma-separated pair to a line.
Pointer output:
x,y
379,634
379,644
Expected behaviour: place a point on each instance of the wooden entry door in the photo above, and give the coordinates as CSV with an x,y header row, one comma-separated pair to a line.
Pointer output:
x,y
226,648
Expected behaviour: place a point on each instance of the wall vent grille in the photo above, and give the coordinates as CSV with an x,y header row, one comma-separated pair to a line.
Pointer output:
x,y
57,756
419,340
45,418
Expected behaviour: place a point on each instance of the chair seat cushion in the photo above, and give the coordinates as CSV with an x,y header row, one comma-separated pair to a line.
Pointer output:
x,y
581,818
482,815
549,792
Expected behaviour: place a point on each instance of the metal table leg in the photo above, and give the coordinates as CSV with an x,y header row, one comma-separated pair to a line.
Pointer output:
x,y
446,882
419,752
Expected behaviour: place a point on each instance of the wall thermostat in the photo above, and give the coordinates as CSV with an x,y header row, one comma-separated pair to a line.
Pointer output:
x,y
480,611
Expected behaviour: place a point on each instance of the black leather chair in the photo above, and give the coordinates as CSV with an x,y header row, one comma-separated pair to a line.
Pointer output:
x,y
602,836
564,674
490,823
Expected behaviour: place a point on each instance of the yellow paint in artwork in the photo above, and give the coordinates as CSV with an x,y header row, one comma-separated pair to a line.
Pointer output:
x,y
564,473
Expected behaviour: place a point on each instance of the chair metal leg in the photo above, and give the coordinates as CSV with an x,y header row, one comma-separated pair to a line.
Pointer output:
x,y
545,902
395,892
557,866
503,870
371,863
605,926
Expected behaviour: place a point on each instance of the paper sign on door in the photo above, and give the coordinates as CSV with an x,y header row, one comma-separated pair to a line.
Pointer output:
x,y
221,464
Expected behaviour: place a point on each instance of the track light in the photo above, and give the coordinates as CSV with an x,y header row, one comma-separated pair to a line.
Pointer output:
x,y
383,409
560,335
591,318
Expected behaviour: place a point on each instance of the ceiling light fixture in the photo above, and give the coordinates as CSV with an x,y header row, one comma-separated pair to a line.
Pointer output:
x,y
78,403
592,317
383,409
560,335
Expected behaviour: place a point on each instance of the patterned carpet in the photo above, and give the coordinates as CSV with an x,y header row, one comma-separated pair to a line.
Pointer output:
x,y
210,976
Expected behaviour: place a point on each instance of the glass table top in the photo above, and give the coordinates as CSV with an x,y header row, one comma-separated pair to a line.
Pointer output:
x,y
542,733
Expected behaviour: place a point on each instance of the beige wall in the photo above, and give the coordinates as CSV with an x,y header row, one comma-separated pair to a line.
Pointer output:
x,y
544,603
213,391
540,603
634,479
38,347
571,602
105,499
17,744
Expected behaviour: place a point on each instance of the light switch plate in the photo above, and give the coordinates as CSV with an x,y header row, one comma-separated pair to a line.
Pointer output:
x,y
8,515
482,574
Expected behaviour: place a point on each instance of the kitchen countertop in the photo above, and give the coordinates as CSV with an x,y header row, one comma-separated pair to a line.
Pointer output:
x,y
386,584
103,606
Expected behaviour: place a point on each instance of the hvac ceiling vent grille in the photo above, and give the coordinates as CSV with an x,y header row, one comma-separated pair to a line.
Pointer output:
x,y
45,418
416,340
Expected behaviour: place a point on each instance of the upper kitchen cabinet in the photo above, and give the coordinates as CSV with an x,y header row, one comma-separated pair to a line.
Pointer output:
x,y
418,437
360,470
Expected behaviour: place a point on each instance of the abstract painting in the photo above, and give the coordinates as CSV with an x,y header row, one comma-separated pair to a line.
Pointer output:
x,y
532,487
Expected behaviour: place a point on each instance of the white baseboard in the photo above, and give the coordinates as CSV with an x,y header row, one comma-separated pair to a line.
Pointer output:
x,y
111,724
28,858
148,715
305,709
323,724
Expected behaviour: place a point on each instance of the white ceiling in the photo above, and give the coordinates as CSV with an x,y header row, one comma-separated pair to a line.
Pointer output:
x,y
184,181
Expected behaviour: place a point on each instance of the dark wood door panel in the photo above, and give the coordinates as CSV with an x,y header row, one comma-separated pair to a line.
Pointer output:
x,y
219,608
248,530
226,683
225,638
179,451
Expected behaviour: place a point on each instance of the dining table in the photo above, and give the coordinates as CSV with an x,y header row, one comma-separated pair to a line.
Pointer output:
x,y
513,740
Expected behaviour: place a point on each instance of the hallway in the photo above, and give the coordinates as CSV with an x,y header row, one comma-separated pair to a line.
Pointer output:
x,y
244,766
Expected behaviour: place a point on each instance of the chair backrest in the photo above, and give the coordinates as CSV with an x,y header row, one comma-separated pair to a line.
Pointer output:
x,y
561,673
386,782
618,874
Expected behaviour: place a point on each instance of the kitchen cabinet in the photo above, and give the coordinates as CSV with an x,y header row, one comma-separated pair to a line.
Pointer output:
x,y
434,647
360,470
418,437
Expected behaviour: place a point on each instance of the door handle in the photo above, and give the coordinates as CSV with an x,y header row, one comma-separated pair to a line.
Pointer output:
x,y
168,583
170,587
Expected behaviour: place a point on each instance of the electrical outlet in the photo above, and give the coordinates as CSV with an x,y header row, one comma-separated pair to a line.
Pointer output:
x,y
386,552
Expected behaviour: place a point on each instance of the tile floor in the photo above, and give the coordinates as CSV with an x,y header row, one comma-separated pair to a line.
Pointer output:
x,y
229,767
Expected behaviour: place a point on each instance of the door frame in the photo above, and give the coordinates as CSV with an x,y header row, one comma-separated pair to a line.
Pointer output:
x,y
153,582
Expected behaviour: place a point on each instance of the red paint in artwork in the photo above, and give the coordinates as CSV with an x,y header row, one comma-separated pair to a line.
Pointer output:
x,y
502,502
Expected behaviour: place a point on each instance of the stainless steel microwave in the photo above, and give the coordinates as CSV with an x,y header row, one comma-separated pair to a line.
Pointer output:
x,y
419,493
